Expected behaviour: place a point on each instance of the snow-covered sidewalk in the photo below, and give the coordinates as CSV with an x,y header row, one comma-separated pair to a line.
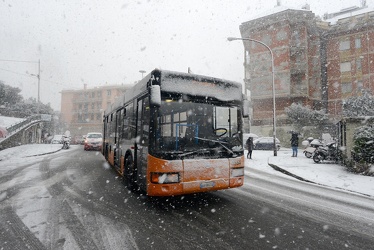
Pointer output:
x,y
325,173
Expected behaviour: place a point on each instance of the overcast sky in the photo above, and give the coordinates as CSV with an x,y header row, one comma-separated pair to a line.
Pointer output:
x,y
98,42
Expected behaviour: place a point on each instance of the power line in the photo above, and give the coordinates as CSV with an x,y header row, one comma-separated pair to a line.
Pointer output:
x,y
5,60
29,75
17,73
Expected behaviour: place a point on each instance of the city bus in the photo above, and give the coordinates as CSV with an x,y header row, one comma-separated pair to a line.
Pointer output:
x,y
177,133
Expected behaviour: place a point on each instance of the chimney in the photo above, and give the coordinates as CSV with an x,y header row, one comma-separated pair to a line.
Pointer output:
x,y
85,86
306,7
278,2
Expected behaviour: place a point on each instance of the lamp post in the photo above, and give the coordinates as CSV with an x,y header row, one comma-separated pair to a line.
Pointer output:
x,y
142,71
272,74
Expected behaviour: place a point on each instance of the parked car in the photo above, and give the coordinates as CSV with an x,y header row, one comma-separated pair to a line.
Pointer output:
x,y
78,140
266,143
246,135
57,139
93,141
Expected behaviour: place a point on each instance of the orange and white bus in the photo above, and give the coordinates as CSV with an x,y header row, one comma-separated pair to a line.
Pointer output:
x,y
176,133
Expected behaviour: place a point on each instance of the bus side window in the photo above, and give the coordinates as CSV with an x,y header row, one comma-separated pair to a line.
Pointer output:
x,y
128,122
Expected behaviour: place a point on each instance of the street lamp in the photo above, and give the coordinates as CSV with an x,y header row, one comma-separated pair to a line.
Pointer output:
x,y
272,73
142,71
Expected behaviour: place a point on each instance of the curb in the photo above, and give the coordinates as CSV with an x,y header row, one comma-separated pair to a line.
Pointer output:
x,y
43,153
290,174
275,167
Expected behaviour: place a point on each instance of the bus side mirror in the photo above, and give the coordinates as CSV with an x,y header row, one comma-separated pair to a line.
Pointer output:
x,y
155,95
245,108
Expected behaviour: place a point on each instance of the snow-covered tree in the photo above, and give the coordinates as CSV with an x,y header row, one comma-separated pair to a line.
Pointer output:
x,y
363,149
9,95
13,104
301,116
359,105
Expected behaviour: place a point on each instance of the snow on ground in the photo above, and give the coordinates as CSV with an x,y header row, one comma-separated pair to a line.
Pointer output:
x,y
6,122
326,173
11,157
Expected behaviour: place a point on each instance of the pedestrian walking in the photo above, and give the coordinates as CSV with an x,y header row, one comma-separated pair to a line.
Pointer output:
x,y
249,144
294,143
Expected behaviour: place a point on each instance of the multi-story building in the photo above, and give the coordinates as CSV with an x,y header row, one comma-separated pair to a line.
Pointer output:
x,y
317,62
82,110
293,37
350,56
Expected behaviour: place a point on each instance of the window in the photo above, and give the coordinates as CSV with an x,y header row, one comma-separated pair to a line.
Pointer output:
x,y
346,87
358,43
345,67
344,45
92,105
360,85
99,94
358,64
108,92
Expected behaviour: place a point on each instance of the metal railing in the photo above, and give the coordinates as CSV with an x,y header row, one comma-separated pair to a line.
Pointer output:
x,y
23,123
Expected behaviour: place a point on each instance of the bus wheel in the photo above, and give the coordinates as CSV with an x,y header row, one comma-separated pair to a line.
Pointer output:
x,y
129,175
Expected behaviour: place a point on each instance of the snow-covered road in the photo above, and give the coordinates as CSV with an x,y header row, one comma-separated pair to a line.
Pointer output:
x,y
72,200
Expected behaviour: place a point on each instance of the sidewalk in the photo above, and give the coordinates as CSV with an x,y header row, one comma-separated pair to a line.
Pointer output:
x,y
302,168
28,151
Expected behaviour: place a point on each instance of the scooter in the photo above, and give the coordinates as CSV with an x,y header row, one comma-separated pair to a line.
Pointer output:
x,y
311,149
330,153
66,142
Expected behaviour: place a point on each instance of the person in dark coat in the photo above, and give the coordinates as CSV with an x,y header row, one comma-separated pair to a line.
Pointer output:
x,y
294,143
249,144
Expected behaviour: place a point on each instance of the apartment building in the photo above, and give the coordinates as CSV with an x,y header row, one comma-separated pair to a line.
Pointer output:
x,y
350,56
317,62
82,110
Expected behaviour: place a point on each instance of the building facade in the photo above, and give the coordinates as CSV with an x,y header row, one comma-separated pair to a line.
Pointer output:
x,y
317,62
350,57
82,110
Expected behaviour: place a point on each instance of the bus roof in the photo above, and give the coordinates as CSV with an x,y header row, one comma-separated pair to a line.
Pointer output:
x,y
183,83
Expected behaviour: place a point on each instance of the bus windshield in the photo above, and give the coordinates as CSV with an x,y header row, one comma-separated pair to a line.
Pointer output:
x,y
196,130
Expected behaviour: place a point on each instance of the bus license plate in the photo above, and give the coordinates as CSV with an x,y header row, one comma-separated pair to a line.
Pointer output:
x,y
207,184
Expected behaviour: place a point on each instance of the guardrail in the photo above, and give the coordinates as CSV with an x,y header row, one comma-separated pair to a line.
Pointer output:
x,y
27,121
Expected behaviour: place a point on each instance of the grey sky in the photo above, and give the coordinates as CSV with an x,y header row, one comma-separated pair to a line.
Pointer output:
x,y
97,42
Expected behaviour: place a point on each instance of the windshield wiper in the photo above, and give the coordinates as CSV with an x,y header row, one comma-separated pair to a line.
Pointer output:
x,y
219,142
203,150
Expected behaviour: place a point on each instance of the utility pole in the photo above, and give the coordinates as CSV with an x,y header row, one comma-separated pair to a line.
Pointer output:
x,y
39,88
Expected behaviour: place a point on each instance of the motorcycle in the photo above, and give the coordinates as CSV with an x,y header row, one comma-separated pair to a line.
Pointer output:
x,y
312,147
66,142
330,153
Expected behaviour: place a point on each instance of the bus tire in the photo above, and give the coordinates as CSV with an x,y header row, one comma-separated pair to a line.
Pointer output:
x,y
129,177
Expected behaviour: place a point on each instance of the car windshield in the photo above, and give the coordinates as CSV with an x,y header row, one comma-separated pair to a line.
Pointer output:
x,y
94,136
186,129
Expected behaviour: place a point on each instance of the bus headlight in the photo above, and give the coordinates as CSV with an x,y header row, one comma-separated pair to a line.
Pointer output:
x,y
236,172
164,178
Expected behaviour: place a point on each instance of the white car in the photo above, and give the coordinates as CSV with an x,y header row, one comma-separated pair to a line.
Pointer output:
x,y
93,141
266,143
57,139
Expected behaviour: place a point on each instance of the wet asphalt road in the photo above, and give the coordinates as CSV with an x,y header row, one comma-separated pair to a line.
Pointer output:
x,y
73,200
